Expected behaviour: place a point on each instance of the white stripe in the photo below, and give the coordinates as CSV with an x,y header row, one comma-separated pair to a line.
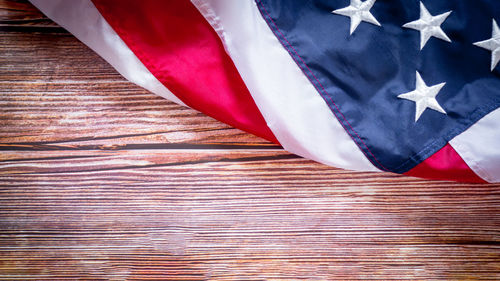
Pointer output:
x,y
82,19
296,113
479,146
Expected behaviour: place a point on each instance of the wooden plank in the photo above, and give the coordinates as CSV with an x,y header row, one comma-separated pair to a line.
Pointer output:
x,y
230,212
101,180
53,89
152,214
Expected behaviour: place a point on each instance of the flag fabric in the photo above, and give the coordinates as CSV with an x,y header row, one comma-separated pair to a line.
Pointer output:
x,y
404,86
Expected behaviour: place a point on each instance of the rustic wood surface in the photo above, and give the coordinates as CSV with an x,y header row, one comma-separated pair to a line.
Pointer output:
x,y
101,180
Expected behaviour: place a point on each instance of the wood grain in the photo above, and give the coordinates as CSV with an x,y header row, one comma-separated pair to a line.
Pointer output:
x,y
101,180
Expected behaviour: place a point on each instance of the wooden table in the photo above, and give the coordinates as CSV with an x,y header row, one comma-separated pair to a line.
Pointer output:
x,y
101,180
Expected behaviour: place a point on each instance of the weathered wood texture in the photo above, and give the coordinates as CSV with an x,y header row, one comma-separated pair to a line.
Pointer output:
x,y
101,180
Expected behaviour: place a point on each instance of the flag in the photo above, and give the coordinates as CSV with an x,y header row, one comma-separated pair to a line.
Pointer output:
x,y
404,86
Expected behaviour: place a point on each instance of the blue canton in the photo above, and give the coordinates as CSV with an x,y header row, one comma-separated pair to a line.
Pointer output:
x,y
402,77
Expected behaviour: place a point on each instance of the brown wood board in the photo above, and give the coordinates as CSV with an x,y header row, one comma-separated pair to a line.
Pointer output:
x,y
102,180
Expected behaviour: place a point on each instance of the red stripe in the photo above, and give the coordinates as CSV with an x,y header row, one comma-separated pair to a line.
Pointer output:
x,y
446,164
180,48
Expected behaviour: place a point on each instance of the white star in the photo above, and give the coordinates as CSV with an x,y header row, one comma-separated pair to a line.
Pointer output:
x,y
493,45
358,11
429,25
424,97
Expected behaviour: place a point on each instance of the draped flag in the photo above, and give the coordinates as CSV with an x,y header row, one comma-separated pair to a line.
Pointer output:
x,y
405,86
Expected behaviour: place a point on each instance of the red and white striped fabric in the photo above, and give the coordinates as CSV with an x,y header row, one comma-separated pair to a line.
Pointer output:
x,y
220,57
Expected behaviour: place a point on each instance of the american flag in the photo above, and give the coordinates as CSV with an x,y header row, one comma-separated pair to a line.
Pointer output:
x,y
403,86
